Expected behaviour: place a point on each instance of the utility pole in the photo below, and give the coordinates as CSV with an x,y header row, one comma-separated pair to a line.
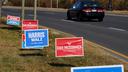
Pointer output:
x,y
35,9
23,8
38,3
51,3
0,9
57,3
110,5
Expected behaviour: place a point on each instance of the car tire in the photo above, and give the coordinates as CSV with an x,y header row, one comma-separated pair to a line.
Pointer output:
x,y
68,16
100,19
88,19
79,17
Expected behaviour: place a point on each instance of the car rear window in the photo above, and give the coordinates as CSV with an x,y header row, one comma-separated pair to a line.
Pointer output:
x,y
91,4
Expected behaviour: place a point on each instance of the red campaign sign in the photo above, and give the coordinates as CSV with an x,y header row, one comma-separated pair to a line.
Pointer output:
x,y
29,24
66,47
23,37
9,17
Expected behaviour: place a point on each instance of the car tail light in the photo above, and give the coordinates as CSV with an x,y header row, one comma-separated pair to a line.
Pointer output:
x,y
86,10
100,10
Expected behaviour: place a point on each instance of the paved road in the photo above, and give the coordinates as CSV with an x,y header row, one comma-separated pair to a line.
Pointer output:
x,y
111,33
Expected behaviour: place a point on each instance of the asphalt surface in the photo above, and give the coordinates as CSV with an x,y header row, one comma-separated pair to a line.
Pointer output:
x,y
111,33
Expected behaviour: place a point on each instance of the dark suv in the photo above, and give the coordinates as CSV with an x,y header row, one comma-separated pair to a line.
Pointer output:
x,y
86,9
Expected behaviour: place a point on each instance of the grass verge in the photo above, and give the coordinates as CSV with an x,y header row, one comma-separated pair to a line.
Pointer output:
x,y
13,59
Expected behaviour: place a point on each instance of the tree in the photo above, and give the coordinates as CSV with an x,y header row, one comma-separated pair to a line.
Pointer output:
x,y
116,4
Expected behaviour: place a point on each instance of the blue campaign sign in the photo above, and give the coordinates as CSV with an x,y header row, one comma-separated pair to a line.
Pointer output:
x,y
36,38
112,68
12,22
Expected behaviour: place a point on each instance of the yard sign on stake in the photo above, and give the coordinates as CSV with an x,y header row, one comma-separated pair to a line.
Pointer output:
x,y
13,20
36,39
29,24
67,47
109,68
23,41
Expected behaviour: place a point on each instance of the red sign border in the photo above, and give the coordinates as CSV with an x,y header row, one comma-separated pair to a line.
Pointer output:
x,y
69,55
13,17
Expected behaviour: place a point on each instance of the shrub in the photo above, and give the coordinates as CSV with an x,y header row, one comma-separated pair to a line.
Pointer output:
x,y
3,20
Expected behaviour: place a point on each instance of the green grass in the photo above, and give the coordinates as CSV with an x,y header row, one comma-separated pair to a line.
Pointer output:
x,y
13,59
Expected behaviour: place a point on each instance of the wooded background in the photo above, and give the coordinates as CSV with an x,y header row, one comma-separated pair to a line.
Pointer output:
x,y
116,4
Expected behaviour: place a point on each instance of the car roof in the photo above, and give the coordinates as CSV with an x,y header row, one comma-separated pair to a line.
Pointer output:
x,y
88,1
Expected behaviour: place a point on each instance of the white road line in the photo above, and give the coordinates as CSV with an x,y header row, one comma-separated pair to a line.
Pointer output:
x,y
118,29
67,20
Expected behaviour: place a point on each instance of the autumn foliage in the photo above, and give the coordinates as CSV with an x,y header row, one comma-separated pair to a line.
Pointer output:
x,y
116,4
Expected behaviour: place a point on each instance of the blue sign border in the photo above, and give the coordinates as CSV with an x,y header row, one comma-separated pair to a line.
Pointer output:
x,y
23,44
89,68
12,22
36,47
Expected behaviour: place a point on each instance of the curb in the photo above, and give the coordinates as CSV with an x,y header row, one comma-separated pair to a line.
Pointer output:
x,y
110,14
110,51
38,8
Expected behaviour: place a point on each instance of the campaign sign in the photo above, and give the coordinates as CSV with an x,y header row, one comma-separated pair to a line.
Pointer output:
x,y
13,20
29,24
36,38
23,41
67,47
110,68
